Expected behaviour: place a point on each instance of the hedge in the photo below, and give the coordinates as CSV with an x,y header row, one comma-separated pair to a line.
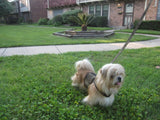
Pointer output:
x,y
150,25
43,21
99,21
67,14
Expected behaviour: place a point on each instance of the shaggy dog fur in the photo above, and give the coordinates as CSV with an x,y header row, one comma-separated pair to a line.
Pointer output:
x,y
106,84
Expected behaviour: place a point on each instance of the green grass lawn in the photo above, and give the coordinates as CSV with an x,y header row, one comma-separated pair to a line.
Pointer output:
x,y
26,35
39,87
153,32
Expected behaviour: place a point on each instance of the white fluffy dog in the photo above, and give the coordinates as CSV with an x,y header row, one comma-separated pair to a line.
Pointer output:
x,y
101,87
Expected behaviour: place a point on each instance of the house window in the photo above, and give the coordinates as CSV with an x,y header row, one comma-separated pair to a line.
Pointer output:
x,y
91,10
158,12
57,12
105,10
98,10
129,8
23,3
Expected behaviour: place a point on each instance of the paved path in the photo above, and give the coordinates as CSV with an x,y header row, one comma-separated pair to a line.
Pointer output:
x,y
58,49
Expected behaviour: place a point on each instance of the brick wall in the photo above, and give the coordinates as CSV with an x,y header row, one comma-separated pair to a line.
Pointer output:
x,y
61,3
116,19
152,11
138,9
85,8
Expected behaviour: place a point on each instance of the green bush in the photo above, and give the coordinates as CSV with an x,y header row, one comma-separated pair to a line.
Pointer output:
x,y
150,25
99,21
58,20
136,23
30,21
20,20
42,21
12,19
67,15
50,22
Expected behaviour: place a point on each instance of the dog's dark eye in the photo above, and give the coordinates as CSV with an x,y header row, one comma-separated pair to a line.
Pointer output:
x,y
112,76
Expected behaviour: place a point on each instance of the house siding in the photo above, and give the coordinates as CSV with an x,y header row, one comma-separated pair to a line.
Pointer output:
x,y
115,18
139,7
45,9
38,9
61,3
152,11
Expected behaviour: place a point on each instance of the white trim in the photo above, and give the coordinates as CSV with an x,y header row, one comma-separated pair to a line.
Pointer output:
x,y
94,9
47,3
145,8
101,5
101,9
109,13
29,5
155,4
88,9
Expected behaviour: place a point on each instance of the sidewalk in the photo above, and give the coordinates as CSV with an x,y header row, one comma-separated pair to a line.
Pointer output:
x,y
59,49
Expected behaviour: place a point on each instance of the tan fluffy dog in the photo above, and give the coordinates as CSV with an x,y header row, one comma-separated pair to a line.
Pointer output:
x,y
103,86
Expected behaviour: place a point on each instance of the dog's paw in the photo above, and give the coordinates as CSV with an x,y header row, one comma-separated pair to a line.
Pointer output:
x,y
74,85
85,101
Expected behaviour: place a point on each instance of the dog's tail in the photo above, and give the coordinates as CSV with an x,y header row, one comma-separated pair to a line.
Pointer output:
x,y
84,65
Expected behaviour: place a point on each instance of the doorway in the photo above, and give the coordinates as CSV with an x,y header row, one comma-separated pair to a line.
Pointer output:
x,y
128,16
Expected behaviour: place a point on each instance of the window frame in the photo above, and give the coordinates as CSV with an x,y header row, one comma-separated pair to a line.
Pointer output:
x,y
101,9
158,11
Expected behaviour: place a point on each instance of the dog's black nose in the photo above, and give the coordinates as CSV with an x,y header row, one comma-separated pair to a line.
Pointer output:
x,y
119,79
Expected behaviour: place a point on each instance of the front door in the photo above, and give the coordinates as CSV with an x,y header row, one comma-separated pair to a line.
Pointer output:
x,y
128,16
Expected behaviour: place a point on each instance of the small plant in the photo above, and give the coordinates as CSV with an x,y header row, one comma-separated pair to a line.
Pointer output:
x,y
50,22
20,20
67,15
42,21
83,20
57,20
30,21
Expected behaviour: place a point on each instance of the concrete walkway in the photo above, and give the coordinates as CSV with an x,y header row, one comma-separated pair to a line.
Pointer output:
x,y
58,49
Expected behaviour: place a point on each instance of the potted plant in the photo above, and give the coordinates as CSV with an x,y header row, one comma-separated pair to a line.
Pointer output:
x,y
83,20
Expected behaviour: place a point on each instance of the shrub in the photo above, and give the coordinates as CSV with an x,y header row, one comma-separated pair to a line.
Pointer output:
x,y
2,20
68,14
42,21
57,23
99,21
136,23
12,19
82,19
50,22
150,25
20,20
30,21
58,20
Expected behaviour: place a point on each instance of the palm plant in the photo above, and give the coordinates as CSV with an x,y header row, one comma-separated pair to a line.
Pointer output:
x,y
83,20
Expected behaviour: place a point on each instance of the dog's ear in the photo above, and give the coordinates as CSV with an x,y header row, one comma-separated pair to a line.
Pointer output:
x,y
103,72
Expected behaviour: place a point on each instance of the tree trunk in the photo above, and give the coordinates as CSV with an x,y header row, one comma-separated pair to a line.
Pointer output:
x,y
84,27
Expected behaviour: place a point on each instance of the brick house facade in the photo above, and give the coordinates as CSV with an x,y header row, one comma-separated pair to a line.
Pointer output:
x,y
30,9
38,9
58,7
119,13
